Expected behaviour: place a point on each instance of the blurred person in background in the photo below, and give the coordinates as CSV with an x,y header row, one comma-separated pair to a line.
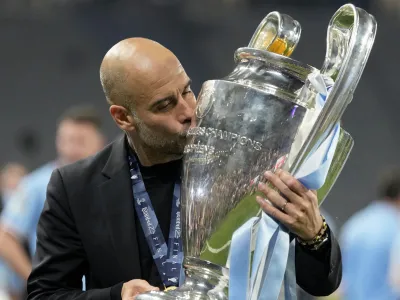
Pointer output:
x,y
394,273
368,240
11,284
78,136
10,176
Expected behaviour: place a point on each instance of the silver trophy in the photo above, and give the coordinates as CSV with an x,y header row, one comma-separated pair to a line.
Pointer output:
x,y
247,123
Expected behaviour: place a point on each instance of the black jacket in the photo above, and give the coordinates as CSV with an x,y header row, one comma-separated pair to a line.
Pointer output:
x,y
87,227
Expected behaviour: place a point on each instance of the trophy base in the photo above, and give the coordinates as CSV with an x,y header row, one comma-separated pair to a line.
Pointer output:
x,y
203,281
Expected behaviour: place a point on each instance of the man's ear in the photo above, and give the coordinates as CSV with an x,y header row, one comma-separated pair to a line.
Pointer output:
x,y
122,117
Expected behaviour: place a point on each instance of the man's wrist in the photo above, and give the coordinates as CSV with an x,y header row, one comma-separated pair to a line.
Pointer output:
x,y
319,240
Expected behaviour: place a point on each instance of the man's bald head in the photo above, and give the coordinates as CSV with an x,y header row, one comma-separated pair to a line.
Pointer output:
x,y
150,98
131,67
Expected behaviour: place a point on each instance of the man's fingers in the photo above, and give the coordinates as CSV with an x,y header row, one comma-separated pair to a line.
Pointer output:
x,y
282,187
142,289
273,196
147,288
274,212
135,287
292,183
296,186
281,203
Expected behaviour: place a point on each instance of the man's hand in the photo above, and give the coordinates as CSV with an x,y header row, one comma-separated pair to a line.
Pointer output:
x,y
13,253
135,287
295,206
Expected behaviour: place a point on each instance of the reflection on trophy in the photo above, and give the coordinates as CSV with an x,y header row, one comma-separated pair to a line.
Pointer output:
x,y
248,123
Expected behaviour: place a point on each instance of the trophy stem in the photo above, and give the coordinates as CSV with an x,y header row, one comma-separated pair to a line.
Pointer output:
x,y
203,281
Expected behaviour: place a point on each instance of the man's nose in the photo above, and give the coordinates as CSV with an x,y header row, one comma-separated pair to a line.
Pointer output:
x,y
186,111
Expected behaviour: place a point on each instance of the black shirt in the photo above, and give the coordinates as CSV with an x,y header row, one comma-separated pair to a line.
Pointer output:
x,y
159,181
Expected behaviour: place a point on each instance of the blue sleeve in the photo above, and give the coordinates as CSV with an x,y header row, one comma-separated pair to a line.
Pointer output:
x,y
22,211
394,265
349,265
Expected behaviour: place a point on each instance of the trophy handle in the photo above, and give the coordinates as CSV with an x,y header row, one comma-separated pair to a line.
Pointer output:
x,y
278,33
343,149
351,35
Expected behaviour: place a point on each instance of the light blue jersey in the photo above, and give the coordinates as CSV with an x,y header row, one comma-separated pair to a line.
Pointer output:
x,y
367,243
21,216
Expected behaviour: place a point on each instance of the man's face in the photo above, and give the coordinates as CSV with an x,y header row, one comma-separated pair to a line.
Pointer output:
x,y
77,140
164,110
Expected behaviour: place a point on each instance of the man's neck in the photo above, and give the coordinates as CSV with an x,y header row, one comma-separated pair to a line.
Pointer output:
x,y
150,157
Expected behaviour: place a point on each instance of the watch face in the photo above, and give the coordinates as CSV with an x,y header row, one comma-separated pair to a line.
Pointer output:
x,y
320,244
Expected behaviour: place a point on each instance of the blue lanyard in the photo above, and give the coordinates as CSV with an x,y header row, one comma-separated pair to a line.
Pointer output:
x,y
168,259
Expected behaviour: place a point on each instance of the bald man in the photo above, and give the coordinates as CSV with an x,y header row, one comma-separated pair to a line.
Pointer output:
x,y
109,217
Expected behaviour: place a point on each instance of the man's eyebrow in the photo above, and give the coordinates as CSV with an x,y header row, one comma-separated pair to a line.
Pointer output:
x,y
188,84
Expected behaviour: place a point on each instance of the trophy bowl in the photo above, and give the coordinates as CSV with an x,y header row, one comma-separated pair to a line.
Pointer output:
x,y
247,123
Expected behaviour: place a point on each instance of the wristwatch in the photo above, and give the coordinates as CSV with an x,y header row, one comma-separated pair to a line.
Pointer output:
x,y
319,240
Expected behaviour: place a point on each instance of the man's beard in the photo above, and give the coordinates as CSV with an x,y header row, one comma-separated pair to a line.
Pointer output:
x,y
166,143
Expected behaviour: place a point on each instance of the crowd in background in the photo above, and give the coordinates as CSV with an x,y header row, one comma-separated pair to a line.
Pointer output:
x,y
79,135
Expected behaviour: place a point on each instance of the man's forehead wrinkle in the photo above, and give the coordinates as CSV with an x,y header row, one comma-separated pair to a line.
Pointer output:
x,y
161,81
